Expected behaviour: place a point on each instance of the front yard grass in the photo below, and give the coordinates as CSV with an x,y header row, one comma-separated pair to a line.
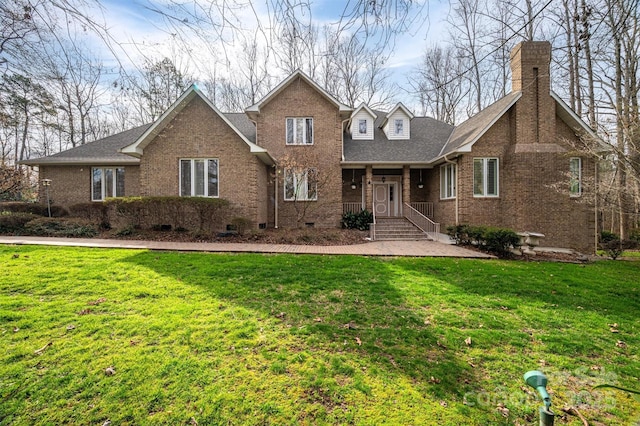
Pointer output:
x,y
285,339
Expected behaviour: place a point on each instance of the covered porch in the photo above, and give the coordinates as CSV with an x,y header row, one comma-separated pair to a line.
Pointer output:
x,y
390,192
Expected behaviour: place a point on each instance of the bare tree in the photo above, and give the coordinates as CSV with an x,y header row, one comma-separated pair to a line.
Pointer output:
x,y
438,85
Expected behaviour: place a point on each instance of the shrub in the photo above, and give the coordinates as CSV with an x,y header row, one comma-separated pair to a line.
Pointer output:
x,y
615,248
33,208
635,235
360,220
498,241
61,227
11,222
241,224
95,212
606,236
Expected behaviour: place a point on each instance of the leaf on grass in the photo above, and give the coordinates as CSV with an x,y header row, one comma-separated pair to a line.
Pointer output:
x,y
614,328
110,371
468,341
427,322
281,315
444,404
434,380
84,312
317,319
503,410
350,325
358,341
193,422
97,302
621,344
71,327
16,329
442,345
42,349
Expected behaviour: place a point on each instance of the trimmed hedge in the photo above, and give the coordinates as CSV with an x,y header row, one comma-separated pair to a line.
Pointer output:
x,y
60,227
94,212
498,241
33,208
11,222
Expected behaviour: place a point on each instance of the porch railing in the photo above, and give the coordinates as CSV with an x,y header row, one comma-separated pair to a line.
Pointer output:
x,y
425,208
421,221
352,207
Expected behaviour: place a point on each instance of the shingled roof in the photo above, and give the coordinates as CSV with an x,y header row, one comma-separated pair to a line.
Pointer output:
x,y
428,135
102,152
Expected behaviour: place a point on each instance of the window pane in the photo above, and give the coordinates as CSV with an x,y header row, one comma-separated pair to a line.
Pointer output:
x,y
478,173
185,178
362,127
443,182
120,182
574,171
399,127
199,177
289,185
213,178
299,129
96,185
454,169
309,131
108,182
492,176
290,131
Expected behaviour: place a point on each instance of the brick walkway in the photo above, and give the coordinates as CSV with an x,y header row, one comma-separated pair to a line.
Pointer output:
x,y
375,248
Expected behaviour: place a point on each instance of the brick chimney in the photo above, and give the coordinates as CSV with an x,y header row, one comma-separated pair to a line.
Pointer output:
x,y
536,110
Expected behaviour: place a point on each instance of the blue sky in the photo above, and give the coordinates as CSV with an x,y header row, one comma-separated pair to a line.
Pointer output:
x,y
137,29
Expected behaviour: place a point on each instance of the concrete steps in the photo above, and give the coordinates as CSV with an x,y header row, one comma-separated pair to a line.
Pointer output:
x,y
398,229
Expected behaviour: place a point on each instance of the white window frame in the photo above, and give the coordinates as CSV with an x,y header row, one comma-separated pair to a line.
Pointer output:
x,y
398,124
448,177
299,139
361,122
575,178
300,181
204,176
485,182
103,183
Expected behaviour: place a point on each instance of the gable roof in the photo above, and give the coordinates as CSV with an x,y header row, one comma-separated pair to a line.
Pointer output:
x,y
399,106
467,133
365,107
255,108
102,152
576,123
136,149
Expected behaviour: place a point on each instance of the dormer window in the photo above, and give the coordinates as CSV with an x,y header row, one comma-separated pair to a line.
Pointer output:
x,y
362,126
399,126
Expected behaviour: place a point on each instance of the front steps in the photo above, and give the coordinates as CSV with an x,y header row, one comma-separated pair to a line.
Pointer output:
x,y
398,229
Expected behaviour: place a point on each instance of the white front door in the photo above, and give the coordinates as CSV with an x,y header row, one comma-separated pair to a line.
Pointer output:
x,y
384,199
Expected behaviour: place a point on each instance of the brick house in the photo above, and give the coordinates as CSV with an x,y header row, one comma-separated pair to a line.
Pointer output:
x,y
301,158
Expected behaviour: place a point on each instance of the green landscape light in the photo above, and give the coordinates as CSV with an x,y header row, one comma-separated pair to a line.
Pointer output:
x,y
538,381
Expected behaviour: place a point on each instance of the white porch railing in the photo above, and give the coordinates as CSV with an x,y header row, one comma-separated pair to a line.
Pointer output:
x,y
425,208
352,207
421,221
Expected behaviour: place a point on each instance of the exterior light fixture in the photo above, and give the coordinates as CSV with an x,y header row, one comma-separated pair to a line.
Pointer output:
x,y
383,179
420,183
47,183
353,179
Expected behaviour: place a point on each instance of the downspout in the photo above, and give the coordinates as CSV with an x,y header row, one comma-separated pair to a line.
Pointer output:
x,y
457,198
275,196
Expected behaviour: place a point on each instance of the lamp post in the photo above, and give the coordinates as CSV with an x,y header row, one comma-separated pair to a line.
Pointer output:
x,y
47,183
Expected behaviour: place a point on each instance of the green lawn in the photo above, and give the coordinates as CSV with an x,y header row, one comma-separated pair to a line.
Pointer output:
x,y
284,339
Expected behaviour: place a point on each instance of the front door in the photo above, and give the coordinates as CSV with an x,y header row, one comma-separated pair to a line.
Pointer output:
x,y
384,195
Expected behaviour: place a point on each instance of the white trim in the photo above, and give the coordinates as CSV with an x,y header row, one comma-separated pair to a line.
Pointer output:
x,y
579,178
485,162
450,179
304,135
296,185
103,183
577,122
192,183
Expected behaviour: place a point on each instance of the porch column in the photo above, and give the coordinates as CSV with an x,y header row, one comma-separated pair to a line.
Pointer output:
x,y
368,195
406,185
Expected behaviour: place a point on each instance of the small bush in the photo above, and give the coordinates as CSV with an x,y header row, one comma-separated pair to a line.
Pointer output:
x,y
360,220
635,235
14,222
615,248
606,236
498,241
33,208
61,227
241,224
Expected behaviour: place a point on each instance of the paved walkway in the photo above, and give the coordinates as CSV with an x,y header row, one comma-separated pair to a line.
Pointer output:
x,y
374,248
